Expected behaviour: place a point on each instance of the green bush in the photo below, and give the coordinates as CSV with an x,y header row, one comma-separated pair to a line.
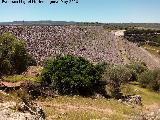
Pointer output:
x,y
142,36
145,78
127,89
150,79
100,86
71,75
136,69
13,54
115,77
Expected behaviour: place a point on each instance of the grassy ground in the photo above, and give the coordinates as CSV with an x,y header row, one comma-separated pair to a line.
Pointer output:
x,y
86,108
80,108
31,73
148,97
153,50
17,78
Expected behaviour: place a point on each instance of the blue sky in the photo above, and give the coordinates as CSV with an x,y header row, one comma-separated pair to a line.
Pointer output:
x,y
85,10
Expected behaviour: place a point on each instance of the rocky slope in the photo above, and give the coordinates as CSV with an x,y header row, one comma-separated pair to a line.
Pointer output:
x,y
92,42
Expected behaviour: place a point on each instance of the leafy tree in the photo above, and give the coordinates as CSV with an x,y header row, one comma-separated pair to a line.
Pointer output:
x,y
71,75
150,79
115,76
136,69
13,54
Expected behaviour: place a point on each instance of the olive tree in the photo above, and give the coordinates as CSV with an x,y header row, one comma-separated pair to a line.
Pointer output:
x,y
13,54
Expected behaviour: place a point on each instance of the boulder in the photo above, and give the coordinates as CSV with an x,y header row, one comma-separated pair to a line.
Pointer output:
x,y
132,99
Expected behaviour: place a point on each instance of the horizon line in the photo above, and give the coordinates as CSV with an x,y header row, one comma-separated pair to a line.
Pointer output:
x,y
76,21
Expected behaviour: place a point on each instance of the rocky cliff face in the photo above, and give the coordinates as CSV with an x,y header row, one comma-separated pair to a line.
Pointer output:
x,y
94,43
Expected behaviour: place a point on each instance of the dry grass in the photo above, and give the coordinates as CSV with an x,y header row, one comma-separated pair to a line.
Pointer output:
x,y
72,108
18,78
153,50
83,108
86,108
149,97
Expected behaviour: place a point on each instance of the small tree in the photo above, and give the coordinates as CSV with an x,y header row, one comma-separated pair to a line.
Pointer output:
x,y
136,69
145,78
71,75
115,76
150,79
13,54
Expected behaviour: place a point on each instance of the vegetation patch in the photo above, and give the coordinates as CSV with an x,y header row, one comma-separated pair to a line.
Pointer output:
x,y
18,78
115,76
14,57
153,50
150,79
143,36
87,108
72,75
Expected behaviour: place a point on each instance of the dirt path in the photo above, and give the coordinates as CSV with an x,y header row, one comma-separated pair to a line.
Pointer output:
x,y
10,84
69,107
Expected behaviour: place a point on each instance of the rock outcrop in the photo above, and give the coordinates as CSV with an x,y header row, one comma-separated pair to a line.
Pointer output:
x,y
131,99
8,112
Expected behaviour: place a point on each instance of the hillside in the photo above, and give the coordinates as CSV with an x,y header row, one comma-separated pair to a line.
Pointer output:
x,y
130,52
35,94
92,42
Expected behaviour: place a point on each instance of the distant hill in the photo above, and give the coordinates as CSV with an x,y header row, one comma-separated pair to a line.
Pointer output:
x,y
48,22
107,25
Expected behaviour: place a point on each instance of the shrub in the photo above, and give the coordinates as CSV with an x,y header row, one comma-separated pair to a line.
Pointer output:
x,y
100,86
150,79
115,76
127,89
136,69
145,78
13,54
142,36
71,75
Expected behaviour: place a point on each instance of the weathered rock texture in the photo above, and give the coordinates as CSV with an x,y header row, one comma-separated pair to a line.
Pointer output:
x,y
7,112
132,99
94,43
